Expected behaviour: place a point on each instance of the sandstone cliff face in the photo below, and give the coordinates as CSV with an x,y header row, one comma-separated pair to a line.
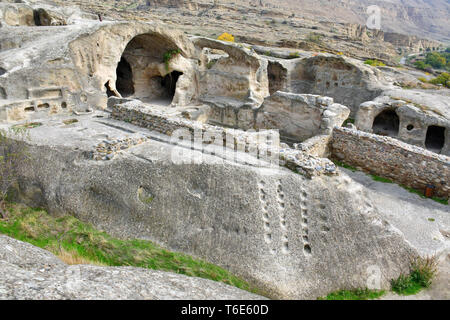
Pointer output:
x,y
186,4
412,43
389,39
424,18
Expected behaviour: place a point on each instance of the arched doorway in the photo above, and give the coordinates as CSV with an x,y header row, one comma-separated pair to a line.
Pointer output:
x,y
435,139
387,123
142,72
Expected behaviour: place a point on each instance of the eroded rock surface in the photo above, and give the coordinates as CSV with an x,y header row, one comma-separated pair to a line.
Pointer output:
x,y
30,273
105,98
289,235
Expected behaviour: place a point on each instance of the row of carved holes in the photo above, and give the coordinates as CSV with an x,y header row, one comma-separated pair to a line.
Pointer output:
x,y
44,106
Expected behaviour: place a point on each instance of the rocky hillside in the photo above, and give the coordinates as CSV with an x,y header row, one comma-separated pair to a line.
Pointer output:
x,y
424,18
269,23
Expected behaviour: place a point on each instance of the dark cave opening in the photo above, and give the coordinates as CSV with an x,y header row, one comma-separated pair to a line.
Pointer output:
x,y
41,17
387,123
435,139
109,92
277,77
124,82
169,83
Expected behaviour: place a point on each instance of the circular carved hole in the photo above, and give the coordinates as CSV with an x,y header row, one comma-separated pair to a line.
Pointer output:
x,y
64,105
410,127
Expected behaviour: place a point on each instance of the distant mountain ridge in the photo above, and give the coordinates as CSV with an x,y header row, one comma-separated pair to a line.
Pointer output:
x,y
425,18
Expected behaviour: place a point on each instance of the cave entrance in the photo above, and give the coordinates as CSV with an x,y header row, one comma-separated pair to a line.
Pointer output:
x,y
140,72
387,123
2,93
124,82
41,18
435,139
169,83
277,77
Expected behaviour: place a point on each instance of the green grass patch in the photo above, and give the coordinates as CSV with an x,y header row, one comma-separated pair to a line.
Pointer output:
x,y
356,294
349,120
380,179
437,199
28,125
422,272
343,165
68,235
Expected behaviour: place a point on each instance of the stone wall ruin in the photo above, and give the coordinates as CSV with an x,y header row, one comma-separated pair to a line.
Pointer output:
x,y
405,164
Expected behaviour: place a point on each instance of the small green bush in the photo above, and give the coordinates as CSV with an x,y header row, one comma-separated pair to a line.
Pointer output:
x,y
349,120
422,65
421,274
402,284
169,55
423,271
374,63
423,79
343,165
443,79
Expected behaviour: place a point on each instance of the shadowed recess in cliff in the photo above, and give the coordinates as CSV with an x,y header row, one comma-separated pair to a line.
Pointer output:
x,y
141,72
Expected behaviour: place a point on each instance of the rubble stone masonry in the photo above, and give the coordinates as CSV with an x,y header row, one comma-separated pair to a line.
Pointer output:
x,y
300,161
387,157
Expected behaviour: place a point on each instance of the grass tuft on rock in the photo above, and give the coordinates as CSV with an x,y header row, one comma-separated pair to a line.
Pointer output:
x,y
421,275
75,242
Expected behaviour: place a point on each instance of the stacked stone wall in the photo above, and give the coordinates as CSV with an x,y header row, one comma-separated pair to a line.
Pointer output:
x,y
297,160
387,157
